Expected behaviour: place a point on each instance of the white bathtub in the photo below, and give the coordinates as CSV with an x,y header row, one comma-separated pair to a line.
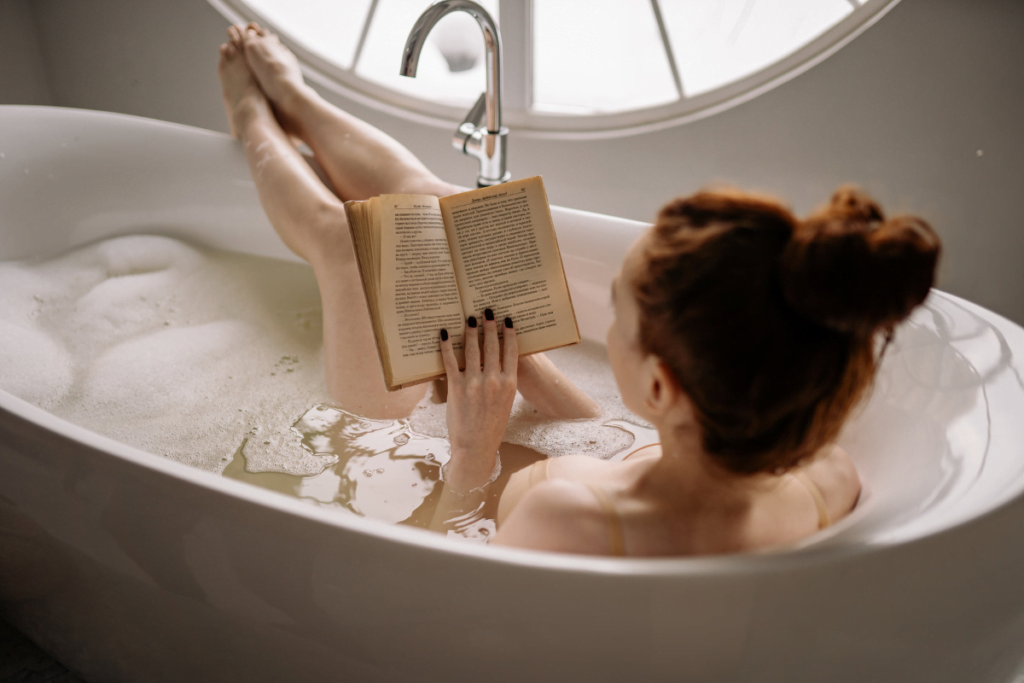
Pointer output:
x,y
130,567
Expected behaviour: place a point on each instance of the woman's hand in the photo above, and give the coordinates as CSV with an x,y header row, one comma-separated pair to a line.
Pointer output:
x,y
479,400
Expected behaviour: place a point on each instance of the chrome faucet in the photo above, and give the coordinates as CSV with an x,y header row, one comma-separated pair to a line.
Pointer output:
x,y
481,135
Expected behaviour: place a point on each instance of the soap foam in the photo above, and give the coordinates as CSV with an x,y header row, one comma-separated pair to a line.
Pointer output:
x,y
586,365
202,355
173,349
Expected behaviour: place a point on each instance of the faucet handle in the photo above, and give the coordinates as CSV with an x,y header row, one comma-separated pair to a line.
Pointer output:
x,y
474,119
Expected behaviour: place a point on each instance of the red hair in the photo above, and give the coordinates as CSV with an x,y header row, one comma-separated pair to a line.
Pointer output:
x,y
768,323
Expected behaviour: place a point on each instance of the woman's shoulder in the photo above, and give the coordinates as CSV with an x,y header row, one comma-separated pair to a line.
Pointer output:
x,y
836,476
559,515
563,467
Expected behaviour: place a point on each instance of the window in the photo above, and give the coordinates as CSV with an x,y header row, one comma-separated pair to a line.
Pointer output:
x,y
572,69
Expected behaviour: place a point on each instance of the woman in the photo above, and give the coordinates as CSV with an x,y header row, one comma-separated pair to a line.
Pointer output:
x,y
743,335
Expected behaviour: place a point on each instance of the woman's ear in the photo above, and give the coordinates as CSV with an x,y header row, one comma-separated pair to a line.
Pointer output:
x,y
662,393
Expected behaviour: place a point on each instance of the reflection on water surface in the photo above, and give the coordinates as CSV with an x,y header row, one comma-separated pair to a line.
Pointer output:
x,y
387,471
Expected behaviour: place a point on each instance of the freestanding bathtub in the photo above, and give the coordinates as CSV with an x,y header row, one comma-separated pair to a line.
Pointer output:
x,y
130,567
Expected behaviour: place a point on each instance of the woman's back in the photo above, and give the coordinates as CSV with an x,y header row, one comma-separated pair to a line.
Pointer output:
x,y
625,508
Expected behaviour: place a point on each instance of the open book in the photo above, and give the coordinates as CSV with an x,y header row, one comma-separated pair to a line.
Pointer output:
x,y
430,263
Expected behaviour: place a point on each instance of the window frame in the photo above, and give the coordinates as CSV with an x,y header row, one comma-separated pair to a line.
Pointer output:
x,y
515,19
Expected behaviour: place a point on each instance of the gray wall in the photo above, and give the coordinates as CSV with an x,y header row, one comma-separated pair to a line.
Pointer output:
x,y
23,78
903,110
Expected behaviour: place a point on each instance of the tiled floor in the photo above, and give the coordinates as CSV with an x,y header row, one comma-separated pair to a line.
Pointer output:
x,y
22,662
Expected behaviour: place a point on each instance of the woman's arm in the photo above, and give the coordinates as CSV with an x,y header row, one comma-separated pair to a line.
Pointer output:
x,y
479,402
554,395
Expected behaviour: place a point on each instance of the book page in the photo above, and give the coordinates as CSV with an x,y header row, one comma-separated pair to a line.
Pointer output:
x,y
364,223
418,292
373,214
506,258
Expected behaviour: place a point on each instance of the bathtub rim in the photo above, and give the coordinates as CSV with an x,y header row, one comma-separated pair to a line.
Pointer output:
x,y
57,110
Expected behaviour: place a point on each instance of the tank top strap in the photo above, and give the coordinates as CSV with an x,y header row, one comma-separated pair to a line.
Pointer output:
x,y
642,448
819,500
615,538
538,472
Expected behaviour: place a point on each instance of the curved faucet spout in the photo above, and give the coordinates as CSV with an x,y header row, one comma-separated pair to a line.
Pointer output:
x,y
481,135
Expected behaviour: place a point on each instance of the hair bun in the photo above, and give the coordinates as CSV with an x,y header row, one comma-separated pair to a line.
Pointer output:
x,y
849,269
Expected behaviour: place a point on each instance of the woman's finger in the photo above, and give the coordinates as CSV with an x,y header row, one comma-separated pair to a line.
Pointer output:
x,y
451,364
510,355
492,358
472,345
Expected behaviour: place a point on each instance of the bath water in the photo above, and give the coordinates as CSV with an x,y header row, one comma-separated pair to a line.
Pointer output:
x,y
214,359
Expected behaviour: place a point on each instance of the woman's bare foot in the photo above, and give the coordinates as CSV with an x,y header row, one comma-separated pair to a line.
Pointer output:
x,y
276,70
359,161
243,99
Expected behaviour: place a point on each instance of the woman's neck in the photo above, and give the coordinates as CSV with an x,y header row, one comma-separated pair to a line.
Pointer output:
x,y
686,475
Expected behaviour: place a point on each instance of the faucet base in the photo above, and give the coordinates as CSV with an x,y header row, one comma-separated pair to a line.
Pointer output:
x,y
491,182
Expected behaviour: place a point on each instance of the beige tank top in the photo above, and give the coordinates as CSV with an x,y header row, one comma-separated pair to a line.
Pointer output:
x,y
819,500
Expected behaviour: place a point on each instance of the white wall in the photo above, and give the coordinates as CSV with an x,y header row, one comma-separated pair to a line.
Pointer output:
x,y
902,110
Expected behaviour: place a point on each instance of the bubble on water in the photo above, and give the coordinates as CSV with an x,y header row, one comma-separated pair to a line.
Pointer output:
x,y
102,352
586,365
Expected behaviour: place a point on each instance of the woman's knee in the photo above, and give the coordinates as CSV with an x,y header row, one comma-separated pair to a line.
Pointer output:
x,y
326,227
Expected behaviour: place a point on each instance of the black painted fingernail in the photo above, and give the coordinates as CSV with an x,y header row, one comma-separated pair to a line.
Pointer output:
x,y
488,314
508,323
472,321
444,335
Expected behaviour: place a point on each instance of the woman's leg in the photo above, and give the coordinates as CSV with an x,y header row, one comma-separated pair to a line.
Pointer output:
x,y
311,221
360,160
